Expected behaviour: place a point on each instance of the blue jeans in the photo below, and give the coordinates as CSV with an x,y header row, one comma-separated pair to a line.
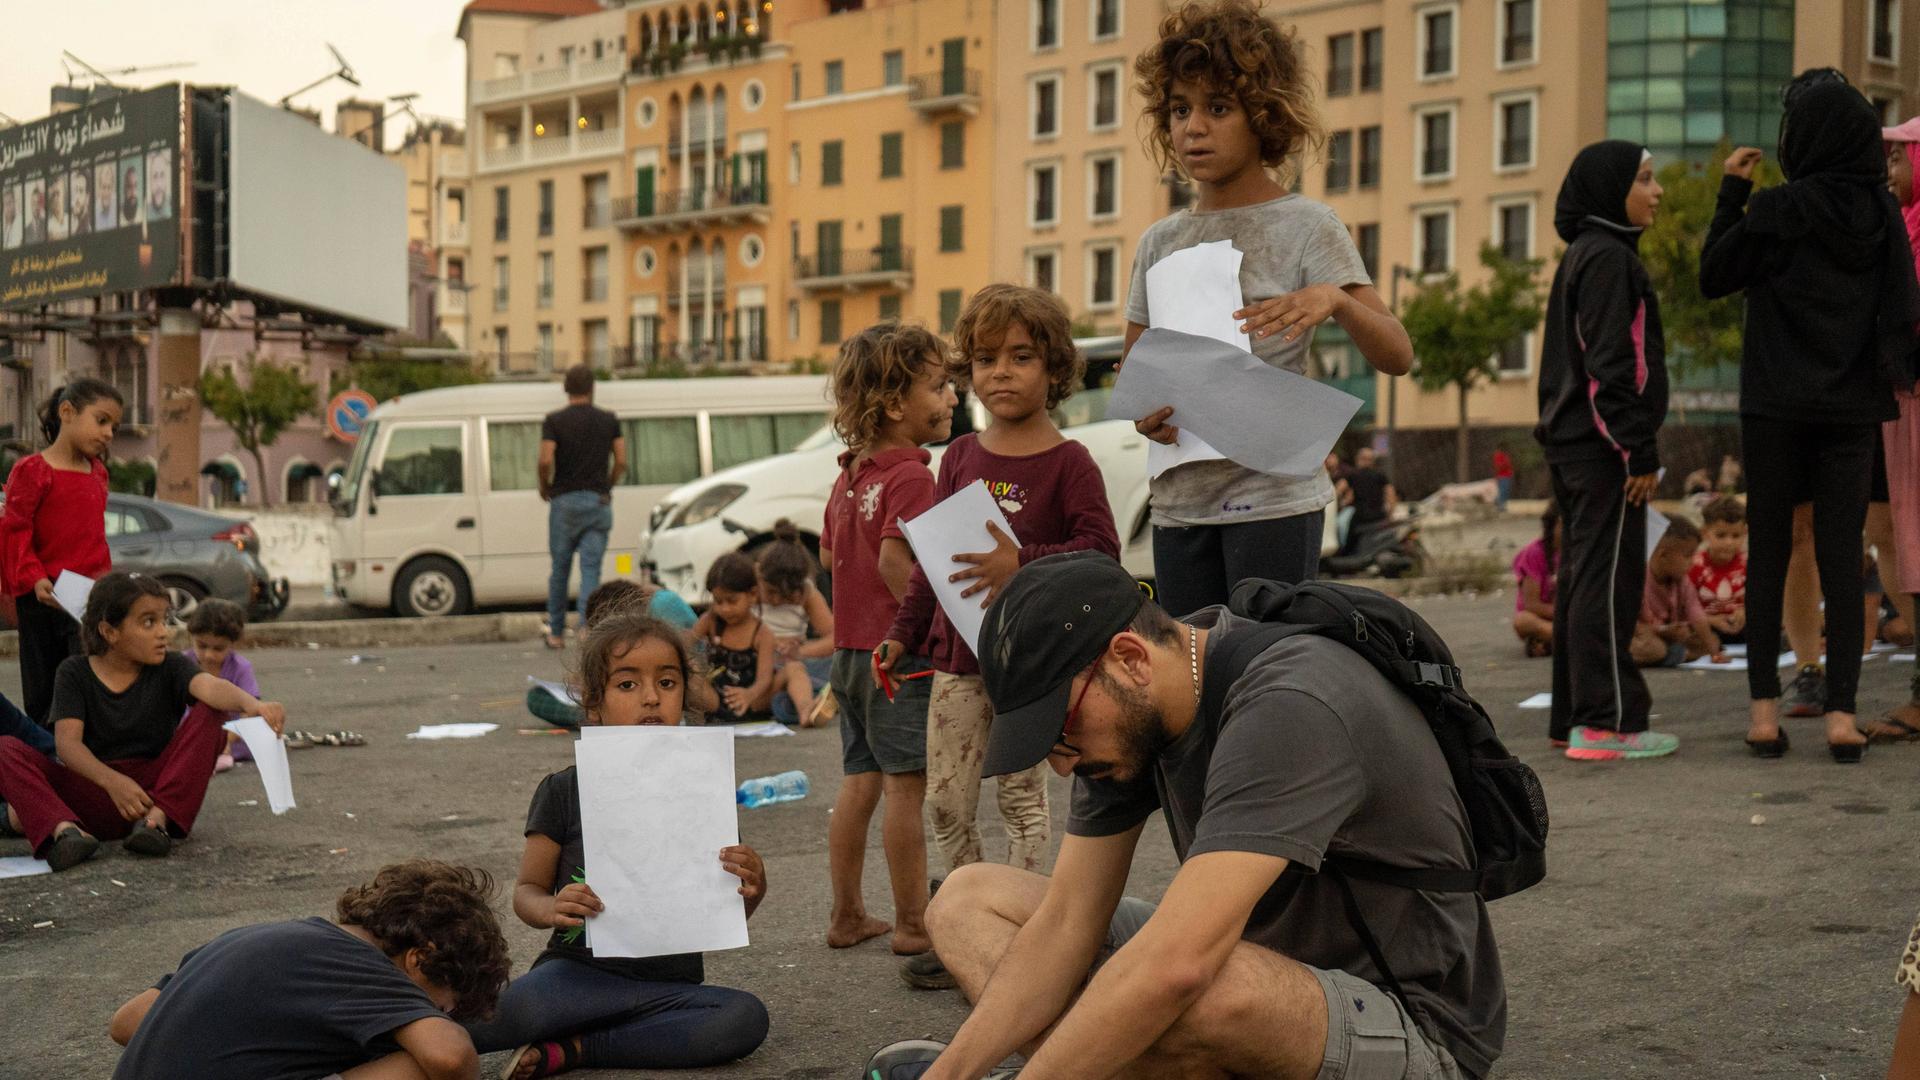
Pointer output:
x,y
819,671
624,1023
19,725
576,522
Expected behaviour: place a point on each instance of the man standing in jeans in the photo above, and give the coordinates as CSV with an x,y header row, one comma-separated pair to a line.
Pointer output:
x,y
577,444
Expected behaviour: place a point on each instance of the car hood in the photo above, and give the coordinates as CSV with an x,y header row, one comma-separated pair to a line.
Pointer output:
x,y
760,476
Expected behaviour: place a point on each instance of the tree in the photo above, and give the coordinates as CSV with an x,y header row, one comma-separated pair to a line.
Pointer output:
x,y
388,379
1457,335
273,397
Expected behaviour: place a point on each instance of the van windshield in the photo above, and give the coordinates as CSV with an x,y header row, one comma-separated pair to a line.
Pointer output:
x,y
349,493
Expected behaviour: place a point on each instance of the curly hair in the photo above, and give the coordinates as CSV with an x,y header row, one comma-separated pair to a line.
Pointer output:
x,y
874,372
614,594
616,634
218,618
1231,46
1725,510
734,572
786,565
984,322
446,912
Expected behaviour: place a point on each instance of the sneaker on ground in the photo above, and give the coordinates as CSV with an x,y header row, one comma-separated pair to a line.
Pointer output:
x,y
910,1059
926,972
1807,694
1600,744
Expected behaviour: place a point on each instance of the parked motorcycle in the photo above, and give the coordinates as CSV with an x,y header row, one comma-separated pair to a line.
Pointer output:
x,y
1388,549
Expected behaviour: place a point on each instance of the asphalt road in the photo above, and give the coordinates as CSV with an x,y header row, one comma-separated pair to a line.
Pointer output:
x,y
1706,915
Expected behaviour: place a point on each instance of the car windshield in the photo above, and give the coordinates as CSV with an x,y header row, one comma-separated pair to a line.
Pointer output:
x,y
1089,406
349,492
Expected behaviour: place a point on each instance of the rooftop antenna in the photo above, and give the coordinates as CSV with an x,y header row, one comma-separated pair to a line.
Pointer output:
x,y
405,103
68,60
90,69
344,73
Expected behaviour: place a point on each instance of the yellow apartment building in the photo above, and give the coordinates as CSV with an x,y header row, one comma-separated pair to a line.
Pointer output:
x,y
435,159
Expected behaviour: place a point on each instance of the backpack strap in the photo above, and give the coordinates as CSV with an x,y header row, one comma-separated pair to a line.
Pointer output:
x,y
1228,657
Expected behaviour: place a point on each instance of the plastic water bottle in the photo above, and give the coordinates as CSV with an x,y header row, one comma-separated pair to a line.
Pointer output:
x,y
790,786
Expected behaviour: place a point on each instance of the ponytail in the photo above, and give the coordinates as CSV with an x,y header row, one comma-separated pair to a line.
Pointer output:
x,y
79,393
785,564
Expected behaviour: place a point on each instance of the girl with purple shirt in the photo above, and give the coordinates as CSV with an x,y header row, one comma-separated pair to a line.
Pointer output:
x,y
216,627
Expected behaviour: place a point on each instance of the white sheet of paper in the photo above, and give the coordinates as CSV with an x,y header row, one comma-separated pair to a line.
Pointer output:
x,y
451,731
765,729
1705,663
1656,528
955,524
1541,700
558,690
270,757
656,807
23,866
1901,658
71,590
1195,290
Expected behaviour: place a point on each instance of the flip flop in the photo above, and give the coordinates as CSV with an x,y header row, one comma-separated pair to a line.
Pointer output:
x,y
300,740
1891,729
555,1058
342,738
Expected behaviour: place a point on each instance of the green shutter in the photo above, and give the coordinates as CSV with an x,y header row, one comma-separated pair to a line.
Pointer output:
x,y
953,145
949,309
830,163
890,252
950,226
890,155
643,191
953,66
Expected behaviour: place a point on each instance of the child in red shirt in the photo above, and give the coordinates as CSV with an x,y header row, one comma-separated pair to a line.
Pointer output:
x,y
1719,570
891,394
55,519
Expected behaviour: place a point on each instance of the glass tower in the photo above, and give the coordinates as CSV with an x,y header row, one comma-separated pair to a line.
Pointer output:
x,y
1683,75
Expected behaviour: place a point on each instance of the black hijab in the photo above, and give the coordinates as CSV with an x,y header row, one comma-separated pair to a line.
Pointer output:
x,y
1836,167
1595,190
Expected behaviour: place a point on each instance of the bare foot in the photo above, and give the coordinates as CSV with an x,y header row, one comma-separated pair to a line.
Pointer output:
x,y
846,933
528,1064
13,821
1898,725
911,942
157,818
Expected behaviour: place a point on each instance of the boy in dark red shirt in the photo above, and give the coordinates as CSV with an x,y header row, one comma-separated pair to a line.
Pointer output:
x,y
891,394
1719,570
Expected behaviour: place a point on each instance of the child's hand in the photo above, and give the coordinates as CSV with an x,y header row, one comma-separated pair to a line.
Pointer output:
x,y
43,592
1154,426
744,863
737,699
275,714
1296,312
129,798
575,904
885,655
992,568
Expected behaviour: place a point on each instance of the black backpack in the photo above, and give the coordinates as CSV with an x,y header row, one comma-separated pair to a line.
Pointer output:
x,y
1506,807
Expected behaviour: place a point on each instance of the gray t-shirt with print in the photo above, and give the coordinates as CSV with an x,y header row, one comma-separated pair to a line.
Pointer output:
x,y
1288,244
1314,752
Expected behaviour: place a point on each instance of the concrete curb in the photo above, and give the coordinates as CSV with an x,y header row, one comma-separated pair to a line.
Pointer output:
x,y
364,633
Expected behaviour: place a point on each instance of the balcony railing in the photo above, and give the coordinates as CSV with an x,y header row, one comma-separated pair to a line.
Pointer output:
x,y
543,294
851,269
593,288
550,80
950,90
573,144
453,233
668,209
453,298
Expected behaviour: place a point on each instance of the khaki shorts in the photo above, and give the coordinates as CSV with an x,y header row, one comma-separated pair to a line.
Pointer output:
x,y
1369,1035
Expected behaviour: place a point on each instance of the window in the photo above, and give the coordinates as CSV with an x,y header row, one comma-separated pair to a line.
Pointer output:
x,y
830,163
543,345
1373,58
596,347
597,195
1435,235
1043,269
890,155
126,522
513,454
1369,171
546,208
1103,187
646,338
793,320
594,287
949,309
1518,24
1366,239
545,283
890,307
1339,161
1437,29
1339,65
827,238
662,450
893,68
1434,131
1043,185
1515,356
738,439
836,78
953,144
500,279
500,204
950,227
1883,30
796,82
1104,94
423,461
1514,117
1105,18
1515,223
1046,24
1046,107
1103,276
829,322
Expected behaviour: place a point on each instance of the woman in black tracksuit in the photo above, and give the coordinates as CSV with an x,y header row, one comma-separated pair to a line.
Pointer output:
x,y
1830,301
1603,397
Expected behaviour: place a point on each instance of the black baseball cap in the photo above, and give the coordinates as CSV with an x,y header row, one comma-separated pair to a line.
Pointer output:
x,y
1050,623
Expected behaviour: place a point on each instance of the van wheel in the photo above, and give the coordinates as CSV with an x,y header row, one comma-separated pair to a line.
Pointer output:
x,y
431,587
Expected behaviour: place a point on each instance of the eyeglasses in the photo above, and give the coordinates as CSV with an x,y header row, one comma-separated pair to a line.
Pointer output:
x,y
1061,745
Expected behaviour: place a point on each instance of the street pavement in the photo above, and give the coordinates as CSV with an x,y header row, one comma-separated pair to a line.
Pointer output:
x,y
1706,915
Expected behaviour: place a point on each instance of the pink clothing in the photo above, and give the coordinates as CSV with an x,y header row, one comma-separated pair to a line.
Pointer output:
x,y
1902,435
1668,603
1532,564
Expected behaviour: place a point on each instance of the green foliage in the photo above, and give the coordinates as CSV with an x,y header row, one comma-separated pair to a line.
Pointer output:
x,y
272,398
388,379
131,477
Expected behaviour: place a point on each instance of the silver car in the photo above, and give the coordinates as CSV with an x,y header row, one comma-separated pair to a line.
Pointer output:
x,y
195,553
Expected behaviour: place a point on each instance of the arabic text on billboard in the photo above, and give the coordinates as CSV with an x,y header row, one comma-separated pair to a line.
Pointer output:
x,y
87,201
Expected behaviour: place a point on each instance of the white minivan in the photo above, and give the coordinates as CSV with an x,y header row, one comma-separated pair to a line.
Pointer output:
x,y
440,510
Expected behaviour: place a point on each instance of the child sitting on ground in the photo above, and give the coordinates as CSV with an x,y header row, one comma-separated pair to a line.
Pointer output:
x,y
620,596
574,1010
1535,570
1673,627
801,621
1719,570
215,627
739,644
129,765
364,997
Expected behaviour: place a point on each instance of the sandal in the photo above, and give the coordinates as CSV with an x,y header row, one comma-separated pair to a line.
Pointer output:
x,y
554,1058
1775,747
1891,729
299,740
341,738
149,840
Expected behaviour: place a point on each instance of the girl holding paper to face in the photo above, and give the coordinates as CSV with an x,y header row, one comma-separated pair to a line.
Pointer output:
x,y
574,1010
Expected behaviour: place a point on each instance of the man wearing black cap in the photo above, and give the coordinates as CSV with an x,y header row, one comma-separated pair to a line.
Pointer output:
x,y
1250,964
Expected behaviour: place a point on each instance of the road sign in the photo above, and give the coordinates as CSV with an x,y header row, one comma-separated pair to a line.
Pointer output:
x,y
347,413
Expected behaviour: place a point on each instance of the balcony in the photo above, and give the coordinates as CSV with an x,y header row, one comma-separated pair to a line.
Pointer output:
x,y
689,57
698,138
453,233
883,267
452,298
453,163
553,80
956,90
695,206
699,284
570,146
594,288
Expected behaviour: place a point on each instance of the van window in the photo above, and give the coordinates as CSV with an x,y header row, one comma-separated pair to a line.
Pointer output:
x,y
662,450
422,461
513,455
749,438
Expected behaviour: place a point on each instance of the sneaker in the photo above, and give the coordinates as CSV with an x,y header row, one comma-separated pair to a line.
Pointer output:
x,y
909,1060
1600,744
223,763
1807,694
926,972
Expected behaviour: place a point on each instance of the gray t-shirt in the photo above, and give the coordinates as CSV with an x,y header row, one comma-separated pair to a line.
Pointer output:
x,y
1288,244
1315,752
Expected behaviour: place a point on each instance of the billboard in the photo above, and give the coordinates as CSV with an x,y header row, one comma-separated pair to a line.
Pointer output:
x,y
315,221
89,201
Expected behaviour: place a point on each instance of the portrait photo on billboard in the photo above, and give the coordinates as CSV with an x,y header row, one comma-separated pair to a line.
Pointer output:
x,y
36,190
160,184
10,216
80,207
132,172
106,208
57,206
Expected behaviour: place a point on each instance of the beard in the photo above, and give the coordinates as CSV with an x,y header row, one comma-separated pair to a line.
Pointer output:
x,y
1141,732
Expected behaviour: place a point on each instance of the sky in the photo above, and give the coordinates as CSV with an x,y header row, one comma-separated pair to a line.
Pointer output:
x,y
267,48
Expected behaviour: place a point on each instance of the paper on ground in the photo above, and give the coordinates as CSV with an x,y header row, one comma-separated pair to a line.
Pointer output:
x,y
1734,663
451,731
656,807
1900,658
1541,700
1266,418
765,729
1657,523
957,524
1195,290
71,590
559,690
270,757
23,866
